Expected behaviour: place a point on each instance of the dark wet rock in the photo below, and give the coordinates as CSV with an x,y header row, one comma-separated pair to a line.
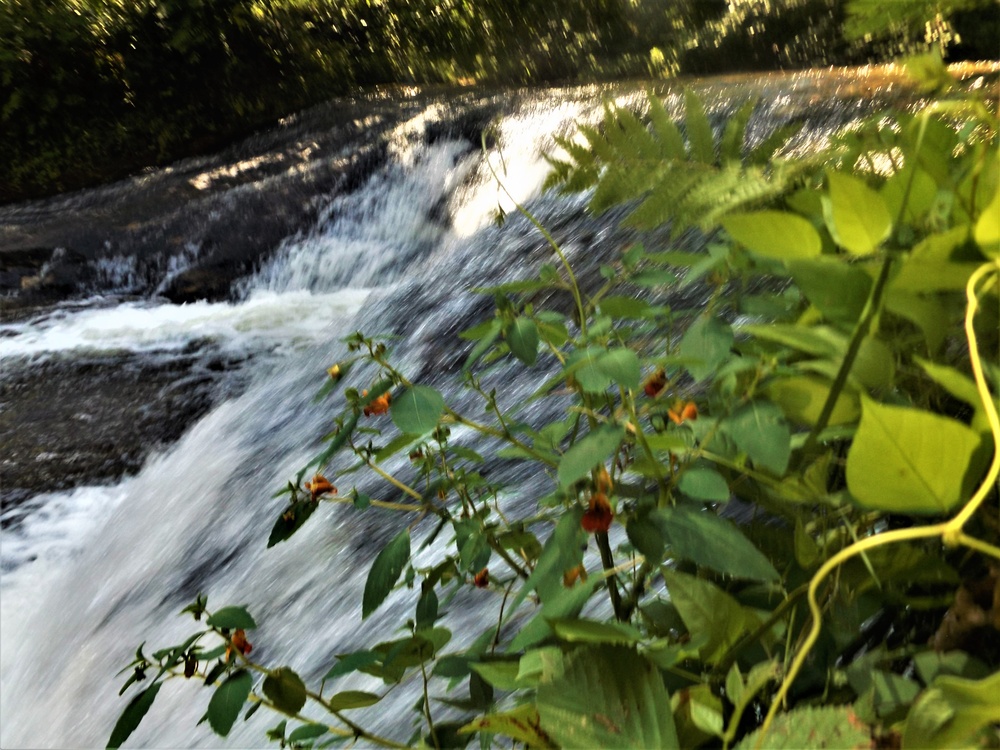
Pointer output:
x,y
66,423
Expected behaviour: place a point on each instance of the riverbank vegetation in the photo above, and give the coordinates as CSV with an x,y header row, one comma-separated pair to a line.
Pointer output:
x,y
97,89
771,518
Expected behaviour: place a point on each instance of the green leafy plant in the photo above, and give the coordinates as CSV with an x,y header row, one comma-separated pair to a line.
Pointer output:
x,y
821,383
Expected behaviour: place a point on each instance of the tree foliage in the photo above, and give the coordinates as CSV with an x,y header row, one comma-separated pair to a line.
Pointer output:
x,y
95,89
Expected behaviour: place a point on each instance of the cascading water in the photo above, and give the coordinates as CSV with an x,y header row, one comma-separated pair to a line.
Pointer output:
x,y
89,574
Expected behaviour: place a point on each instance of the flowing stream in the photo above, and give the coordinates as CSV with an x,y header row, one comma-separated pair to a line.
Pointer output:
x,y
91,572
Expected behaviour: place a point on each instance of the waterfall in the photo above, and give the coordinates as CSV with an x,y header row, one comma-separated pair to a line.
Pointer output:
x,y
91,573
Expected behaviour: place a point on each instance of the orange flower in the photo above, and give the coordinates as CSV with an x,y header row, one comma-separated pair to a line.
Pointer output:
x,y
240,643
655,383
379,405
482,578
599,516
603,482
320,485
683,412
571,576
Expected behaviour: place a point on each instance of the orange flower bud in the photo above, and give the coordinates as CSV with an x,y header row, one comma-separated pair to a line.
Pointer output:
x,y
482,578
603,481
571,576
240,643
655,383
683,412
190,665
599,516
320,485
334,372
379,405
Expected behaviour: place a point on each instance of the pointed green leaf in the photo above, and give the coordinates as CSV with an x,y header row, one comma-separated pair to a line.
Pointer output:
x,y
707,611
306,732
591,631
705,346
704,484
838,290
385,572
592,449
499,674
522,338
855,214
285,689
951,711
759,430
907,460
715,543
227,701
352,699
417,410
802,397
825,726
132,715
233,618
622,366
520,725
351,662
987,231
774,234
609,697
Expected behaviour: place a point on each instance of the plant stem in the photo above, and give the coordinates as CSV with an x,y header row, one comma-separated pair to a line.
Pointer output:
x,y
872,307
608,562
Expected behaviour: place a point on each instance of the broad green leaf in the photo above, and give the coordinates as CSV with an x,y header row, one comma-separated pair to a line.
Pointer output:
x,y
705,346
907,460
759,430
348,663
292,518
918,188
987,231
307,732
715,543
488,335
838,291
820,341
811,727
591,631
951,711
520,725
234,618
704,484
607,697
626,307
133,714
522,338
352,699
285,689
774,234
592,449
925,311
855,214
403,440
562,603
228,700
707,611
647,535
417,410
560,553
932,266
801,397
875,364
622,366
385,572
960,386
499,674
540,665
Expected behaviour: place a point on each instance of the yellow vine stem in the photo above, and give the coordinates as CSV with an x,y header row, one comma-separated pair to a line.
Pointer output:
x,y
951,532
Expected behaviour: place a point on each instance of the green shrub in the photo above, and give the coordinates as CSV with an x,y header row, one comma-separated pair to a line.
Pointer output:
x,y
835,401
